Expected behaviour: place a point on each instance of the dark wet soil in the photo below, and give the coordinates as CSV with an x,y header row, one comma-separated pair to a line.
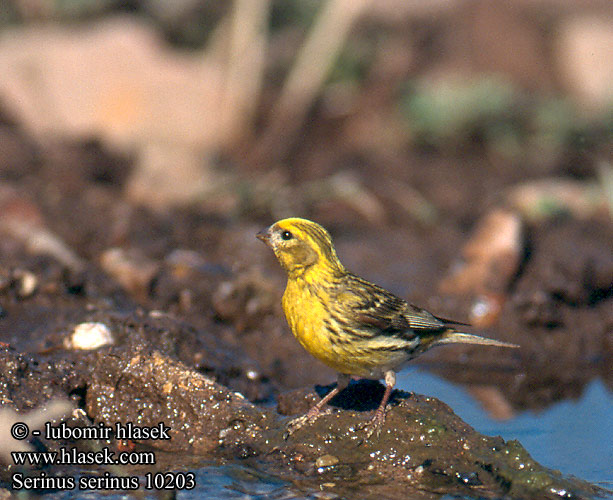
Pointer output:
x,y
192,300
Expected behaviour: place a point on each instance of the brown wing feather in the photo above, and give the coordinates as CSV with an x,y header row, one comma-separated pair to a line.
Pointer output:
x,y
371,307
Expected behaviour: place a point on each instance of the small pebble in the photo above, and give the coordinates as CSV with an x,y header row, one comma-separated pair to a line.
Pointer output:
x,y
27,283
326,461
131,268
89,336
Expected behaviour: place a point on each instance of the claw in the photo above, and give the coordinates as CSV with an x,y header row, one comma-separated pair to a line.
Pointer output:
x,y
315,412
374,425
295,424
299,422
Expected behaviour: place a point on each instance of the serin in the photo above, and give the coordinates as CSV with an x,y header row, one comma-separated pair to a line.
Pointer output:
x,y
353,326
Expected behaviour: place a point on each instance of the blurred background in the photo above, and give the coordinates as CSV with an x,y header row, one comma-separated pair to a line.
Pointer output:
x,y
460,152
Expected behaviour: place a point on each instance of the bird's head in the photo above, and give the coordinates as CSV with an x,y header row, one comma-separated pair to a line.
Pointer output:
x,y
299,244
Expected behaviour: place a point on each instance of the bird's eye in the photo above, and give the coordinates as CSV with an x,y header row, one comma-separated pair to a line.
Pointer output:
x,y
286,235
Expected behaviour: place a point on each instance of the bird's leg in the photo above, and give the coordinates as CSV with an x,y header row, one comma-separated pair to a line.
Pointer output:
x,y
379,417
315,411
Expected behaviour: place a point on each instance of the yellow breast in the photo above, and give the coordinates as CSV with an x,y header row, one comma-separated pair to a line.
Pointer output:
x,y
307,315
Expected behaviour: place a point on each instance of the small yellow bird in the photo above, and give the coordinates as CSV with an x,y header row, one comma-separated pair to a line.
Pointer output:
x,y
353,326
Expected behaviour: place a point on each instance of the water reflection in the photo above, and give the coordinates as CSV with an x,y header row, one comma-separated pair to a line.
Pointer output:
x,y
575,437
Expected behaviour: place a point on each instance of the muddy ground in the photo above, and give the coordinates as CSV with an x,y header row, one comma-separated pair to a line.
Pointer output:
x,y
192,302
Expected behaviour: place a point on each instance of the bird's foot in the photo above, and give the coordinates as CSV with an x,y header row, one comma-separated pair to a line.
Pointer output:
x,y
299,422
374,425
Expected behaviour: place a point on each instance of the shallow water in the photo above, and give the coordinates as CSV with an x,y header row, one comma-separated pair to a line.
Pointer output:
x,y
213,482
237,482
575,437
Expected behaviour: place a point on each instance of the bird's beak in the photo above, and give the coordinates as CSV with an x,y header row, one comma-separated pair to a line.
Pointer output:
x,y
264,235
